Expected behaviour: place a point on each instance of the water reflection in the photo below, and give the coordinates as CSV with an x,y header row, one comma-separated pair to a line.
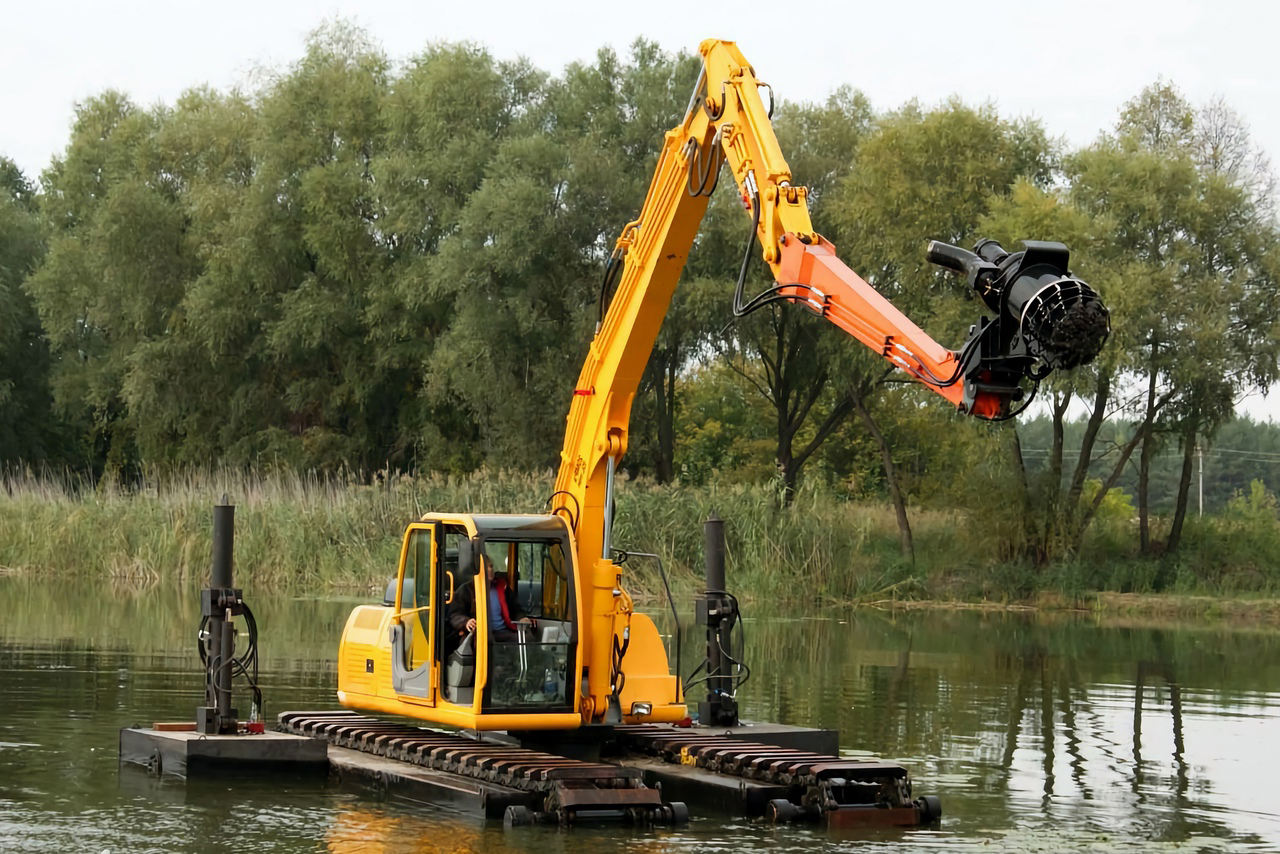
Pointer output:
x,y
1147,732
377,830
1038,734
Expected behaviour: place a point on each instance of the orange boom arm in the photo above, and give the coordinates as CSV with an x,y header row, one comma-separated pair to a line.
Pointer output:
x,y
726,122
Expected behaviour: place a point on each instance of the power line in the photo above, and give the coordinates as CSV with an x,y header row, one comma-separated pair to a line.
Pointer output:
x,y
1244,454
1238,451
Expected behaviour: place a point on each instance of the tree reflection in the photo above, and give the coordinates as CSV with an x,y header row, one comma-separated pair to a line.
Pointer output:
x,y
1162,668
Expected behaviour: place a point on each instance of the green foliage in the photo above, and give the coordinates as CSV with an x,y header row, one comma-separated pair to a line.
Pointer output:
x,y
1116,507
27,427
304,532
1257,507
1235,551
722,431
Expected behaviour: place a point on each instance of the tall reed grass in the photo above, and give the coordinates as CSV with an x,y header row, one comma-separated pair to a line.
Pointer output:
x,y
298,531
302,532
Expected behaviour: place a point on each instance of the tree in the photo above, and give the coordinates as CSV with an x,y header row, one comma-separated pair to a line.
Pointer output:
x,y
1195,213
785,355
523,271
116,241
210,266
922,175
27,428
320,129
445,118
1173,247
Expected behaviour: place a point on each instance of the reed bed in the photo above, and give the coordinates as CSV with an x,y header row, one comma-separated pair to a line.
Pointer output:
x,y
305,532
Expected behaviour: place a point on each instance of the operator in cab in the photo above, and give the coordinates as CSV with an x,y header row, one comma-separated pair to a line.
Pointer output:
x,y
505,612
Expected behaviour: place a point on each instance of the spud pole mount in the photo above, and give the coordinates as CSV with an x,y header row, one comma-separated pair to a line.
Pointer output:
x,y
717,612
220,604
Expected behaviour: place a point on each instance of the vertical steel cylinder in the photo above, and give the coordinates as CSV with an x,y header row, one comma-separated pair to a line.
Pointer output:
x,y
219,603
720,683
224,525
224,533
713,550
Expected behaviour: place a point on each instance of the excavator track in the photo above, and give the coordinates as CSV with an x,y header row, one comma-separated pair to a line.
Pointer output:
x,y
834,789
570,790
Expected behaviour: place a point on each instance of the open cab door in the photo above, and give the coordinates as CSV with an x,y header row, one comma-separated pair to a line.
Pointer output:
x,y
413,633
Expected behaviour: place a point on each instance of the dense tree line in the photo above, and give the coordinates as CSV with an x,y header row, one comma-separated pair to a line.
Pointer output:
x,y
366,265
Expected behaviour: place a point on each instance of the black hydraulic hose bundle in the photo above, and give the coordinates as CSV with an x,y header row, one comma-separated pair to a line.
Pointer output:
x,y
740,308
708,177
770,294
742,672
611,271
246,664
618,678
573,514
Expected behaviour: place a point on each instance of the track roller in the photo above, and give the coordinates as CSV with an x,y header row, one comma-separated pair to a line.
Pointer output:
x,y
781,811
930,809
676,812
518,816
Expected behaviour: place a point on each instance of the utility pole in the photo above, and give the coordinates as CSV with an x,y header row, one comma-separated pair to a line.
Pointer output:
x,y
1200,459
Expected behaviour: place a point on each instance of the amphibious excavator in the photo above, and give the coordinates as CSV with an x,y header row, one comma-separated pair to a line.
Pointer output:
x,y
587,657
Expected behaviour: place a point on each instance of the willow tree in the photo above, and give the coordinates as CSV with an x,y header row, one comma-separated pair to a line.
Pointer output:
x,y
26,418
781,354
118,255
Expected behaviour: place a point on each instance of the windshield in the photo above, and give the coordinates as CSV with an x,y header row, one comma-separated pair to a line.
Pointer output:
x,y
529,666
538,572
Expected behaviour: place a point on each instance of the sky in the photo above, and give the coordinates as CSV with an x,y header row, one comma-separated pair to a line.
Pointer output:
x,y
1071,65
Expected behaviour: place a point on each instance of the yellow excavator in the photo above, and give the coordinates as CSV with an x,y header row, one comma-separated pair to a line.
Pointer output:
x,y
582,655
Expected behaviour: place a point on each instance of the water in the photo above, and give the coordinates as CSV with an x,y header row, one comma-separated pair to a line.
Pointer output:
x,y
1038,734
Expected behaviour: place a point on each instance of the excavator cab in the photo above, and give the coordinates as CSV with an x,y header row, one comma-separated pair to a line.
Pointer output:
x,y
412,655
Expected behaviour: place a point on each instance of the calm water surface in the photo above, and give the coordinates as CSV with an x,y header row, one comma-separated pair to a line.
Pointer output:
x,y
1039,735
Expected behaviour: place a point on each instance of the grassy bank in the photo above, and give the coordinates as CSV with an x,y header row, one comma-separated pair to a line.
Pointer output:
x,y
296,532
1131,610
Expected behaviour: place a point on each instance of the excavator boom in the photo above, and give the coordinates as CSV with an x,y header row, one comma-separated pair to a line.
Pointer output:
x,y
727,123
430,652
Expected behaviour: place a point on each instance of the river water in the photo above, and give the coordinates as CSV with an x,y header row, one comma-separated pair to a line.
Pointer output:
x,y
1039,734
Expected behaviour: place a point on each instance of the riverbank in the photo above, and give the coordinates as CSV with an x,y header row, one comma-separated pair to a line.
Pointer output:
x,y
304,534
1115,609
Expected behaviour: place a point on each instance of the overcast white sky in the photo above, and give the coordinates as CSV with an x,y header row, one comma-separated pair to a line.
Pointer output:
x,y
1070,64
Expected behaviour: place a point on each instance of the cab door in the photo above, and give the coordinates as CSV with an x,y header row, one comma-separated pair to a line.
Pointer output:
x,y
413,629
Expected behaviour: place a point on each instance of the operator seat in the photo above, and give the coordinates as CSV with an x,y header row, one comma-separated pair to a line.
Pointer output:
x,y
460,674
